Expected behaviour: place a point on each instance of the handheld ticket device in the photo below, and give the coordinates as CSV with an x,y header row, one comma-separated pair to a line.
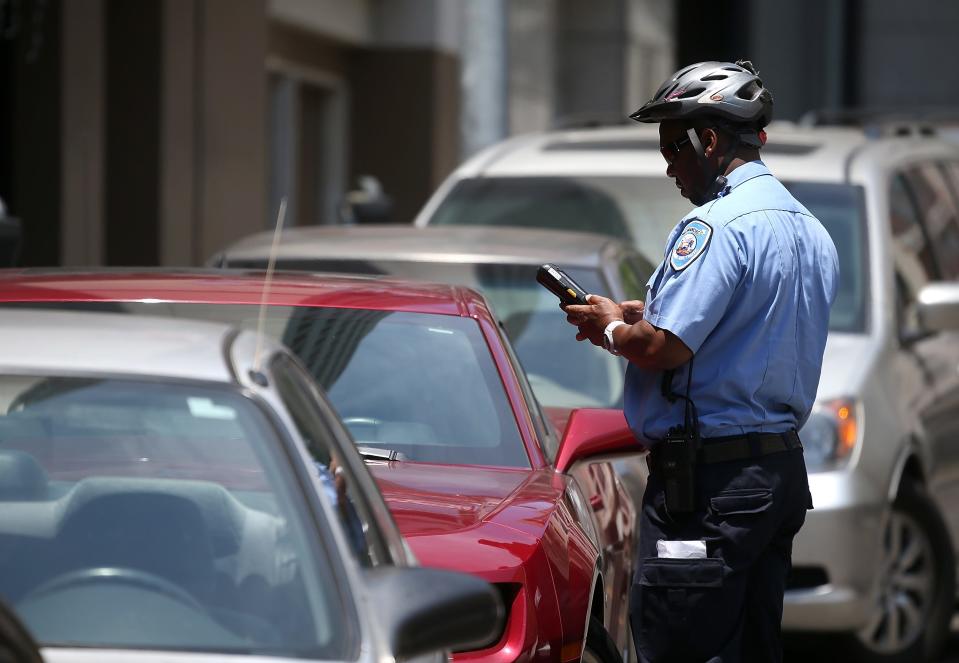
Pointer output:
x,y
560,284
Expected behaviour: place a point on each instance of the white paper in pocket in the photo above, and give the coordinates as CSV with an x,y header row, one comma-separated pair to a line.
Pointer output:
x,y
681,549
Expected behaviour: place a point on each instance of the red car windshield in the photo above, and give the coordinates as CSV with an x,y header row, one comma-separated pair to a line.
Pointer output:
x,y
421,384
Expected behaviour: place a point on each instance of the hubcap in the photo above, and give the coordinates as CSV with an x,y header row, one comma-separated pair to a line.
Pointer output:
x,y
905,588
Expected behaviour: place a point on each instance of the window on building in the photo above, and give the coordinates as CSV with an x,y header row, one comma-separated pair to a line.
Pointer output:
x,y
308,125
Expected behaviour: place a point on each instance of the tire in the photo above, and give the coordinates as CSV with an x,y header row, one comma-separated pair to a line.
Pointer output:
x,y
599,648
917,588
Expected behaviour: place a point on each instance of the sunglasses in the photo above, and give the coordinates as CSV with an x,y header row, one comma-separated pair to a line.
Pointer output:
x,y
671,150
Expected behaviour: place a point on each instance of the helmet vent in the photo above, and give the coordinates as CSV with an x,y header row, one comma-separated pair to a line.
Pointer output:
x,y
714,77
736,69
666,91
749,91
694,92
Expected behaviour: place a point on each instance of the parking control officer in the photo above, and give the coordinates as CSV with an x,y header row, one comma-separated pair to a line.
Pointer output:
x,y
724,362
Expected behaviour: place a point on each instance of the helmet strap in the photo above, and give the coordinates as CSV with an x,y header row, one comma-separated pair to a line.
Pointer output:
x,y
717,179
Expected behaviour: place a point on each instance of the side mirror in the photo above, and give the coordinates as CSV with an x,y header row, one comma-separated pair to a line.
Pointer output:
x,y
424,610
591,433
938,307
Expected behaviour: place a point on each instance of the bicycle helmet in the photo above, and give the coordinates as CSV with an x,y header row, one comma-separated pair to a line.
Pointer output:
x,y
731,92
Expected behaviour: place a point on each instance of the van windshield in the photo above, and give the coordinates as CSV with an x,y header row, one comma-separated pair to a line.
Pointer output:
x,y
645,209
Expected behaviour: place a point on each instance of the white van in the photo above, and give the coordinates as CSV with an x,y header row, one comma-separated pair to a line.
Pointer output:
x,y
875,560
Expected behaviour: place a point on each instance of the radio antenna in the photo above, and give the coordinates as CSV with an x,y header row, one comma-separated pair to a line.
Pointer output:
x,y
255,374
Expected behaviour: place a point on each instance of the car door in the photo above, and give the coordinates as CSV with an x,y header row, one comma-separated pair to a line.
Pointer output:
x,y
925,224
373,534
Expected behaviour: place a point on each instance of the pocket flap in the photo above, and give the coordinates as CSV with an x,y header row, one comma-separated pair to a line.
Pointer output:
x,y
741,501
665,572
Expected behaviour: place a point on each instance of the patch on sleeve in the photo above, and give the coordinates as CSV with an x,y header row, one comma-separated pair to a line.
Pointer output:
x,y
690,244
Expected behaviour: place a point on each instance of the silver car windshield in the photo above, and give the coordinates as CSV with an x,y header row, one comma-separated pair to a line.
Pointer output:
x,y
645,209
158,515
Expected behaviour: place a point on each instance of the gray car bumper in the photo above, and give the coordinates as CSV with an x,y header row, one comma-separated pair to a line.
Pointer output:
x,y
839,543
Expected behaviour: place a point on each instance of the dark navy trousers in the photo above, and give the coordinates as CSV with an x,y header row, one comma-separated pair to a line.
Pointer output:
x,y
726,608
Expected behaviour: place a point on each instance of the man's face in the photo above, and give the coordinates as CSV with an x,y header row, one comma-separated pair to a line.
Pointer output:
x,y
680,156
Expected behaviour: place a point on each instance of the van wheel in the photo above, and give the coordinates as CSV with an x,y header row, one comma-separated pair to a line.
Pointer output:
x,y
916,587
599,648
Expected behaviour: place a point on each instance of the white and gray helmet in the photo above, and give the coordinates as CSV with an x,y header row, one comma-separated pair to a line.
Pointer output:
x,y
731,92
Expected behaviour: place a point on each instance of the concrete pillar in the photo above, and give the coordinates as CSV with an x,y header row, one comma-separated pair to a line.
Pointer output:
x,y
213,174
179,215
232,177
81,219
484,78
532,61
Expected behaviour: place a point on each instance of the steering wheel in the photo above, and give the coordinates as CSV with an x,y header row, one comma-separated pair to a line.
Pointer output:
x,y
100,575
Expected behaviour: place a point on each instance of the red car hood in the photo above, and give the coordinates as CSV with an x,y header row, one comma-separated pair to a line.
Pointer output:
x,y
472,519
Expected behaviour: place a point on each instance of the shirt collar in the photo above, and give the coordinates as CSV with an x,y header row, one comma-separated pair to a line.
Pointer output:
x,y
745,172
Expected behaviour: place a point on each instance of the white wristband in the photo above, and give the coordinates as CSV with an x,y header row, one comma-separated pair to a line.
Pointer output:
x,y
608,341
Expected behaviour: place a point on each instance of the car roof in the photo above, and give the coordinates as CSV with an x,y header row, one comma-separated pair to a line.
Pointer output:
x,y
223,286
634,150
68,342
455,244
792,152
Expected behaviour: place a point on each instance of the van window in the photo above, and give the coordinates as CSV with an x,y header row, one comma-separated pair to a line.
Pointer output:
x,y
912,255
912,250
938,213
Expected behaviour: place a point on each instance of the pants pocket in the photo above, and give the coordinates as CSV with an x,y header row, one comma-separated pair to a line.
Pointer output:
x,y
679,603
741,502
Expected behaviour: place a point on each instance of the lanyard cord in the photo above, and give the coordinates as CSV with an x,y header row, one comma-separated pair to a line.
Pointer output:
x,y
690,415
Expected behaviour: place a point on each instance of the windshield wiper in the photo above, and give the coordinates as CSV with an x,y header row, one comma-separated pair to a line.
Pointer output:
x,y
376,453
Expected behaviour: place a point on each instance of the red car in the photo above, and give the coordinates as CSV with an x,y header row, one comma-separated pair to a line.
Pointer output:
x,y
472,469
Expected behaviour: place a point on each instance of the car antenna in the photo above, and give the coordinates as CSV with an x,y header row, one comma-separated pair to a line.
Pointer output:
x,y
255,373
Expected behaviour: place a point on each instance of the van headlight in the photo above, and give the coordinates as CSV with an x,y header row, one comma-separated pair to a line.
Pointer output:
x,y
830,433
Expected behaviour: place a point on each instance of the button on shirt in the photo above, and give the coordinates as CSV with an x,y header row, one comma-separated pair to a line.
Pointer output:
x,y
746,283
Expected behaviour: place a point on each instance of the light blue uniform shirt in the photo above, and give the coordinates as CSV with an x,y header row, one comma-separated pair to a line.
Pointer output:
x,y
746,284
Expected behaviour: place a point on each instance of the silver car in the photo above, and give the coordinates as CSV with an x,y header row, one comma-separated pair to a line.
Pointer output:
x,y
875,560
173,489
500,262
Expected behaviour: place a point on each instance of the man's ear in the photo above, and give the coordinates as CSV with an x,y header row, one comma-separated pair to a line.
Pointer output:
x,y
710,141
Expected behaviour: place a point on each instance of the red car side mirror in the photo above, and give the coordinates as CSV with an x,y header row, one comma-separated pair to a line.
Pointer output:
x,y
592,432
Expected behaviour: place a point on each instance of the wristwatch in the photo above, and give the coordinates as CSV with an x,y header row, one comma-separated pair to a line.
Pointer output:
x,y
608,341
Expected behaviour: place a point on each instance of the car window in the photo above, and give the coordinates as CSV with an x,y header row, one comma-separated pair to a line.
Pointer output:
x,y
545,432
420,384
532,318
913,259
634,273
171,502
937,209
841,210
551,202
650,207
342,486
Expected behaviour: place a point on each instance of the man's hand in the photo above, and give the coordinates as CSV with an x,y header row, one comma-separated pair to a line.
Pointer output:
x,y
591,319
632,311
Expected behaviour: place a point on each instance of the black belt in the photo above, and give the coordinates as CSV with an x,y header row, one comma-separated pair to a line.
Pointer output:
x,y
739,447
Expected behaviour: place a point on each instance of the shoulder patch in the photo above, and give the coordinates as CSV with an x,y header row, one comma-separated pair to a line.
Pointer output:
x,y
690,244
